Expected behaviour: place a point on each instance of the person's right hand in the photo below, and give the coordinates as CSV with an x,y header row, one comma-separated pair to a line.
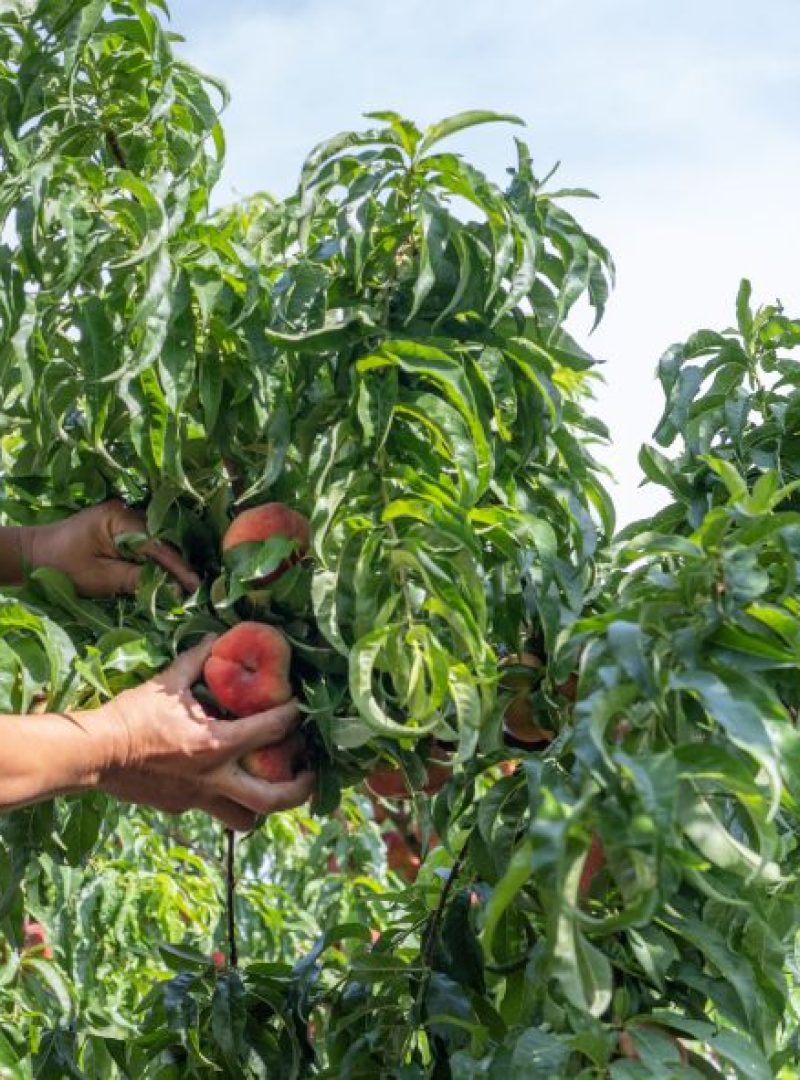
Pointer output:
x,y
170,754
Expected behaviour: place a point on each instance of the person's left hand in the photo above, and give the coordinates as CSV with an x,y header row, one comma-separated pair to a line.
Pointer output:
x,y
82,547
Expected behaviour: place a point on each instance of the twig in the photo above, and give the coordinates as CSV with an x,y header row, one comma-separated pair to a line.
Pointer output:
x,y
113,144
433,931
233,953
234,477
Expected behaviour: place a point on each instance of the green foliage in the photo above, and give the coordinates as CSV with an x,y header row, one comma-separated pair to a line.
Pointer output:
x,y
386,349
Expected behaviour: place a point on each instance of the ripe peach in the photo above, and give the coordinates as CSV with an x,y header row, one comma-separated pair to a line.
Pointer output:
x,y
388,783
519,721
391,783
35,937
218,959
248,669
569,687
264,522
595,861
517,678
399,856
437,774
279,763
379,812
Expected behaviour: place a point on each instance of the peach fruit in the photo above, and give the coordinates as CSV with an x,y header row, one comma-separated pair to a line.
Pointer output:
x,y
248,669
390,783
35,937
279,763
519,721
264,522
400,857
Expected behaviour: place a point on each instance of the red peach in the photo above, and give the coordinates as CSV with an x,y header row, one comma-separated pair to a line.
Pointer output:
x,y
399,856
264,522
34,934
517,678
519,720
391,783
438,770
248,669
35,937
388,783
569,687
279,763
218,959
379,812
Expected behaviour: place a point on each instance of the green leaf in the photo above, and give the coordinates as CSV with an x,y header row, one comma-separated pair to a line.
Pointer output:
x,y
732,703
362,662
453,124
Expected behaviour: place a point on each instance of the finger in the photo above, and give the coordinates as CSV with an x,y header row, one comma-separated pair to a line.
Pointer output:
x,y
125,520
188,667
230,813
168,559
117,577
262,729
262,797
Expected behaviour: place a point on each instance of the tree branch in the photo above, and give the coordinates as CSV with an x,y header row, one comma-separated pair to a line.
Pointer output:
x,y
433,930
113,144
230,874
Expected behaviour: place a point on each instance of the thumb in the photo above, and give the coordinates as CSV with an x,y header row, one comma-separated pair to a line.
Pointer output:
x,y
188,667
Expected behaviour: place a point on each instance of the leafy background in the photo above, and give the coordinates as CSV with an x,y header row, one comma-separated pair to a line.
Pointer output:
x,y
386,350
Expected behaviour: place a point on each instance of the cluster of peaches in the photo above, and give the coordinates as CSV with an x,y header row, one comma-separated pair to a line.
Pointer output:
x,y
248,671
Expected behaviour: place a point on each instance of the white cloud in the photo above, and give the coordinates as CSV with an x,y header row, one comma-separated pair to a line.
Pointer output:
x,y
682,116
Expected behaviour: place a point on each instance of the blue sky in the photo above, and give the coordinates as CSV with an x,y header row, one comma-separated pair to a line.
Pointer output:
x,y
684,117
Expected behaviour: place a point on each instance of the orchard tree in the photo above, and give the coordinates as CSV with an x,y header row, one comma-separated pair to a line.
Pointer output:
x,y
558,769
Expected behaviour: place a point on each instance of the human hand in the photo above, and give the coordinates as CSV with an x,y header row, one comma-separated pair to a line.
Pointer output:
x,y
171,755
83,547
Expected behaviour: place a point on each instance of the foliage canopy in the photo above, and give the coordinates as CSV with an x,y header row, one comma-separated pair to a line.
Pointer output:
x,y
387,349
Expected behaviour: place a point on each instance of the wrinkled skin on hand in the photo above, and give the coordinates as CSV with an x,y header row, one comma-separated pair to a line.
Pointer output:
x,y
83,547
175,757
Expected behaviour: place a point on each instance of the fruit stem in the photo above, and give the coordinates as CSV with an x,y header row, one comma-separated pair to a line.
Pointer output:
x,y
230,876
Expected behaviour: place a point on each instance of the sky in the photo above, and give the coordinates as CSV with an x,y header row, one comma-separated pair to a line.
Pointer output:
x,y
684,117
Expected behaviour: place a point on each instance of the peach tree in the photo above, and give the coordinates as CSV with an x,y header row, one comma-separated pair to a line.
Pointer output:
x,y
387,351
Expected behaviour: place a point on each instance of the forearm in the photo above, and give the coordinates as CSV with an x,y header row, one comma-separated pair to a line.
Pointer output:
x,y
14,553
56,754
